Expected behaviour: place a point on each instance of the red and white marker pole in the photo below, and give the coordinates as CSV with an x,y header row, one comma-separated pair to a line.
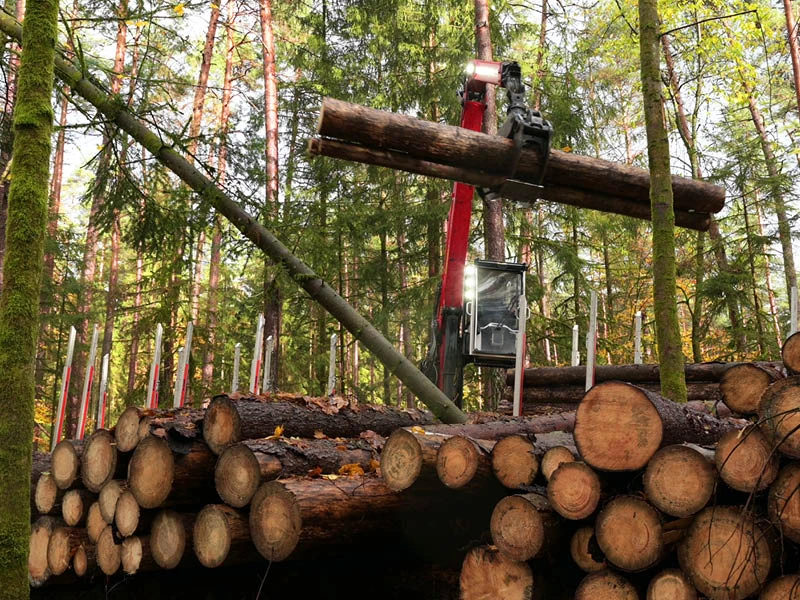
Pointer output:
x,y
267,386
576,353
519,364
255,366
86,395
331,387
591,343
152,383
237,359
102,401
182,376
637,338
62,399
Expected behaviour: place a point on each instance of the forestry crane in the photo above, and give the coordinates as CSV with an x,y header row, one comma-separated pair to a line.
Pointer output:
x,y
483,329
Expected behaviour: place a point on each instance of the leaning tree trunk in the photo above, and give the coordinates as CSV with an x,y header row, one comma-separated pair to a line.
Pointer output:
x,y
673,384
19,302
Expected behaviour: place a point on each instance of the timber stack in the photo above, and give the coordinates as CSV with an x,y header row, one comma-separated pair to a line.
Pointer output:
x,y
630,496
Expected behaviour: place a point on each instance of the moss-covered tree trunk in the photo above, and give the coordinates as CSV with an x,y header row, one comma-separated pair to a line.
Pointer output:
x,y
670,354
19,303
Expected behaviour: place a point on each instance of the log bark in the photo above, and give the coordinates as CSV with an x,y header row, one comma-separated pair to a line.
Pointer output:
x,y
157,476
222,536
574,490
109,494
38,567
585,552
605,584
671,584
780,415
532,396
783,504
496,428
66,462
782,588
618,427
742,386
455,146
100,462
47,496
408,458
170,535
553,458
629,533
680,479
135,423
62,546
95,523
75,506
520,523
512,190
726,554
790,353
514,461
746,461
486,573
108,552
566,376
227,422
241,468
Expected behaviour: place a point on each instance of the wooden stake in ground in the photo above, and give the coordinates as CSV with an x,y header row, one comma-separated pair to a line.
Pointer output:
x,y
679,480
606,585
628,532
584,556
746,461
518,525
574,490
513,461
618,427
742,385
486,573
671,584
726,555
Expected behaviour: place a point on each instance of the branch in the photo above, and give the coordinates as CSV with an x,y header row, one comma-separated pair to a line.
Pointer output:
x,y
701,21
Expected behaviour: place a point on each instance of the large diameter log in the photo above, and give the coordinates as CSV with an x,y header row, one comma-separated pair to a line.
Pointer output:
x,y
573,376
585,552
157,476
47,496
170,534
75,506
109,494
574,490
38,566
241,468
108,552
607,585
227,422
495,429
742,386
726,554
512,190
221,535
746,461
487,573
783,503
61,548
790,353
494,154
679,480
514,461
100,462
782,588
671,584
66,462
410,457
95,523
519,524
628,531
780,415
618,427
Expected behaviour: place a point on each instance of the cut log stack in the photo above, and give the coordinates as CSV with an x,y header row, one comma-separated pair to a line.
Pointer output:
x,y
633,496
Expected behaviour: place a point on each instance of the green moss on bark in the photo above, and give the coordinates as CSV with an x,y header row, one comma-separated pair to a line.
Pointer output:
x,y
670,353
19,303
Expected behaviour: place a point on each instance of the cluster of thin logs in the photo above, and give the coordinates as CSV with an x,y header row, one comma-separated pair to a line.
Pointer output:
x,y
244,480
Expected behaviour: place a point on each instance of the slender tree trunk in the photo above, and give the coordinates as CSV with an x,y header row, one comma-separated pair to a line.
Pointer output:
x,y
754,282
673,384
791,30
216,242
773,305
19,302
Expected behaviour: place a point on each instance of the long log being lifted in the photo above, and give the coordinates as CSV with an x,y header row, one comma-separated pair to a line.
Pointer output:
x,y
322,293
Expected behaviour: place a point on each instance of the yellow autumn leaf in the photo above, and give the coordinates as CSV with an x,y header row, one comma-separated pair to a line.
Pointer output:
x,y
278,431
330,477
567,149
318,435
141,23
214,5
374,465
179,8
351,470
418,429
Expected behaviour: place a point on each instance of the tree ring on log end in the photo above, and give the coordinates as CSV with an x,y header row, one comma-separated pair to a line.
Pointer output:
x,y
514,462
127,514
131,555
65,464
45,494
790,353
457,462
401,460
150,472
679,480
237,475
212,538
780,414
126,432
108,552
745,460
607,585
582,554
486,573
782,588
108,498
38,568
99,460
222,425
167,539
275,521
784,501
58,550
617,428
80,562
574,490
629,533
671,584
95,522
72,508
517,528
742,385
553,458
